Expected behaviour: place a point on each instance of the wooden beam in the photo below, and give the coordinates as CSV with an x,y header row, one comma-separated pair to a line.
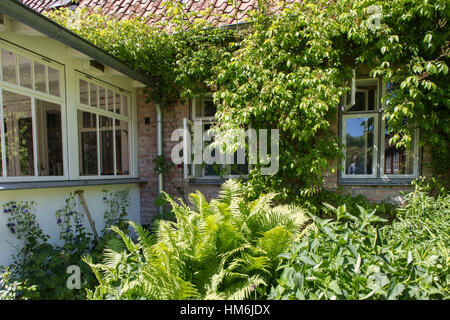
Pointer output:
x,y
88,214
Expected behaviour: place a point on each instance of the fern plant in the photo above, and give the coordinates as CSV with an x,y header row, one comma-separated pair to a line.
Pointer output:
x,y
222,249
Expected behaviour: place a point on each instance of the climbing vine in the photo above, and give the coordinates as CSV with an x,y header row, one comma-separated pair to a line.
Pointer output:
x,y
289,69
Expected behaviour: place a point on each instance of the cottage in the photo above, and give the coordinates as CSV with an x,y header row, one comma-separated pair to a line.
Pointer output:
x,y
74,117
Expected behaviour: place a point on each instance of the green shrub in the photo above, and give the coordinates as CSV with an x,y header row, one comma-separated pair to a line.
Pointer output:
x,y
43,265
224,249
358,257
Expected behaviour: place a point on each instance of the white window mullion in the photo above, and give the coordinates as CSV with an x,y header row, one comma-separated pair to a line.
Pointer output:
x,y
114,147
34,124
4,171
98,145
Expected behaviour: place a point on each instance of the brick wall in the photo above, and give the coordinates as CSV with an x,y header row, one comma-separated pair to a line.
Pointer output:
x,y
173,182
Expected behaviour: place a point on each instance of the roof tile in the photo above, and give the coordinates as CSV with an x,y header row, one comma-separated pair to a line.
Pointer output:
x,y
237,11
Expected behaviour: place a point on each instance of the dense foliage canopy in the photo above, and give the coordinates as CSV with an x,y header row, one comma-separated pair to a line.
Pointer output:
x,y
288,71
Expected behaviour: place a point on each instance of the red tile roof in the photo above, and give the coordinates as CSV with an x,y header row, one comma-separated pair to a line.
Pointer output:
x,y
221,12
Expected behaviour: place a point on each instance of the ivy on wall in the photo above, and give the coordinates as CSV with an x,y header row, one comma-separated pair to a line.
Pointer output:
x,y
287,71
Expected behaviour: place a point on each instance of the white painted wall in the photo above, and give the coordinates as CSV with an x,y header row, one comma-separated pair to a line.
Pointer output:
x,y
48,201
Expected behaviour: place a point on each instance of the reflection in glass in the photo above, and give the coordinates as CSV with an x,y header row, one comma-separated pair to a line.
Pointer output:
x,y
25,72
39,77
87,139
110,101
93,91
118,103
18,134
397,160
122,148
102,97
9,66
359,147
49,138
106,146
84,94
53,82
125,105
365,95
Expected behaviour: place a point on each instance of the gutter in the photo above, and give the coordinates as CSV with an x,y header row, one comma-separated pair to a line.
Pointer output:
x,y
37,21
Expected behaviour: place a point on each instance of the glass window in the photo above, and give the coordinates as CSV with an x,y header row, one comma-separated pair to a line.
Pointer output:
x,y
25,77
9,66
93,94
125,105
362,139
18,124
84,94
102,97
112,151
40,82
118,103
397,160
110,101
49,138
106,146
359,145
122,148
87,138
53,82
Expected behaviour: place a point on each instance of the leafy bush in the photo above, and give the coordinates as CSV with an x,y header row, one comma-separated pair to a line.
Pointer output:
x,y
224,249
10,289
43,265
357,257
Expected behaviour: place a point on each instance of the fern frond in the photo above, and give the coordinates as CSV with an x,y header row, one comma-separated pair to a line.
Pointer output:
x,y
244,289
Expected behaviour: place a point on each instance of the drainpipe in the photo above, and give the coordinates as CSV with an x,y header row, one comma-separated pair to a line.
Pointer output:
x,y
160,149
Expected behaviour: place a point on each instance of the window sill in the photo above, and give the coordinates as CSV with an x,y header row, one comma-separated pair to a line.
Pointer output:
x,y
66,183
375,182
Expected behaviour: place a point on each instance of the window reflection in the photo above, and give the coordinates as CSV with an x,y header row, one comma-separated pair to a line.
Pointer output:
x,y
359,149
87,137
18,126
49,138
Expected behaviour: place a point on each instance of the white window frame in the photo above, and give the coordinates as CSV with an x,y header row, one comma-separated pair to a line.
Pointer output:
x,y
379,135
110,114
34,94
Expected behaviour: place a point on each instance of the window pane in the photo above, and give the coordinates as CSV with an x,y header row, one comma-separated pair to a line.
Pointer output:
x,y
125,105
110,101
40,83
239,169
49,138
106,146
25,72
209,109
122,148
9,66
397,161
359,147
118,100
366,95
84,95
94,95
53,82
18,134
102,96
87,139
210,169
